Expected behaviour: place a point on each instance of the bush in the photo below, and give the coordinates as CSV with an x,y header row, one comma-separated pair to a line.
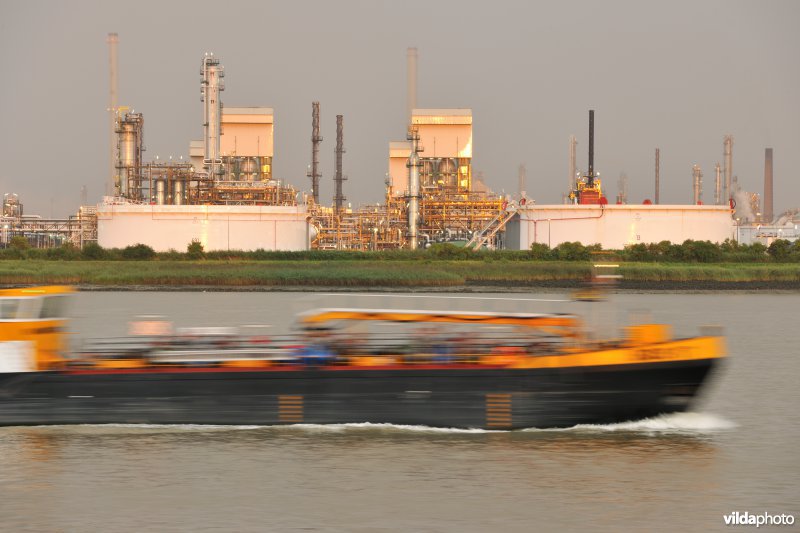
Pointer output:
x,y
195,250
93,252
701,251
67,252
540,252
138,252
19,243
780,250
572,251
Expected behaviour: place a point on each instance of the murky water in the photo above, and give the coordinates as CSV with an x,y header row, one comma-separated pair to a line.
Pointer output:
x,y
738,451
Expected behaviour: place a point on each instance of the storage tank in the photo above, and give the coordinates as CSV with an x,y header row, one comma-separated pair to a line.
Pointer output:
x,y
177,193
160,192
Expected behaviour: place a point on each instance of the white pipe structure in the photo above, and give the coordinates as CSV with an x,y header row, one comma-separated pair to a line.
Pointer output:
x,y
413,188
717,184
728,152
697,184
573,167
112,41
411,76
210,88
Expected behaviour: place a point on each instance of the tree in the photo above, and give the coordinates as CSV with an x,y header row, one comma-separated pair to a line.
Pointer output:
x,y
19,243
195,250
138,252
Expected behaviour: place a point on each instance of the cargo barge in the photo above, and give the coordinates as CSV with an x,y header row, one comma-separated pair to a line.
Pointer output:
x,y
407,367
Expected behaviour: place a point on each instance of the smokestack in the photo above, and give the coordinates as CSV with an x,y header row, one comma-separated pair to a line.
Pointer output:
x,y
728,168
210,88
768,207
411,76
413,188
717,185
338,178
658,176
522,177
316,138
573,167
697,185
113,185
590,174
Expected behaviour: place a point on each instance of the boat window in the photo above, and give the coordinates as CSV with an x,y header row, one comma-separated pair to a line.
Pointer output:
x,y
53,307
9,308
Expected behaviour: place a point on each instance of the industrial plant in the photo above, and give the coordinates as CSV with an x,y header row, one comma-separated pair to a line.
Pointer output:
x,y
225,196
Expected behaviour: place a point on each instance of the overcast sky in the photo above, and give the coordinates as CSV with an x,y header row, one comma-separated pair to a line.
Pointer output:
x,y
677,75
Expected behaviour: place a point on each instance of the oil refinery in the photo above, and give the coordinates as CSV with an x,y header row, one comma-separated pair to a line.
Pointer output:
x,y
225,196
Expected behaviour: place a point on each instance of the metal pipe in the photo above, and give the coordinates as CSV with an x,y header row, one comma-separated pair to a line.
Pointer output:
x,y
210,88
413,188
114,182
768,198
316,139
728,153
573,167
338,199
717,184
658,176
697,185
411,77
590,174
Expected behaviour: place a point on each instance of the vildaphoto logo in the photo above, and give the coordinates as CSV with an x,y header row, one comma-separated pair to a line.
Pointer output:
x,y
763,519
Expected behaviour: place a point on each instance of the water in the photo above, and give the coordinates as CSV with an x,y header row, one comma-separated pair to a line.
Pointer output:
x,y
738,450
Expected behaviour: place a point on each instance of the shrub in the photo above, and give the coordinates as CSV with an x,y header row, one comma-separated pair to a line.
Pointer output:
x,y
138,252
195,250
540,252
701,251
94,252
67,252
572,251
19,243
780,250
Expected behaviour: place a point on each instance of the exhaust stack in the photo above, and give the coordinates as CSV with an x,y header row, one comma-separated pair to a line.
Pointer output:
x,y
768,198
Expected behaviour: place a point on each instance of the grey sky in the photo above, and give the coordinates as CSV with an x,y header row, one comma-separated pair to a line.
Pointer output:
x,y
676,75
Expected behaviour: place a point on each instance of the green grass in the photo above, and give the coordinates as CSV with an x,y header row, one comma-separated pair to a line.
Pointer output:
x,y
368,273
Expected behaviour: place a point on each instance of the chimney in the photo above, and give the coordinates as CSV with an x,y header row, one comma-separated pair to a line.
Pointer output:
x,y
411,92
768,207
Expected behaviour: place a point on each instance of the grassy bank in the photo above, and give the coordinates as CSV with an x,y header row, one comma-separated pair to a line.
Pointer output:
x,y
365,273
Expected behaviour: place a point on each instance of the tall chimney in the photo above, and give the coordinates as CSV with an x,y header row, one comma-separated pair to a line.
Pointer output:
x,y
697,185
717,185
411,76
113,184
573,167
590,173
658,176
413,188
769,214
338,178
316,138
522,178
210,87
728,168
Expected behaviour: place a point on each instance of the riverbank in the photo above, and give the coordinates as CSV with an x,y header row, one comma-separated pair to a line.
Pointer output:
x,y
409,275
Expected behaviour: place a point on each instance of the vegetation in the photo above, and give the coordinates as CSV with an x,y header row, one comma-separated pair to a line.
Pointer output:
x,y
441,265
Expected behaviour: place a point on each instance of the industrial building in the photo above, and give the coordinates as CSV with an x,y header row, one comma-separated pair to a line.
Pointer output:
x,y
224,196
617,226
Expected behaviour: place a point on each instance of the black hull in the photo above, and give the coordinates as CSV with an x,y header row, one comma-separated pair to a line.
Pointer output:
x,y
433,396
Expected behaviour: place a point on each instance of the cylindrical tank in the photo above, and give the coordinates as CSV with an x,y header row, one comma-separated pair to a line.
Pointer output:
x,y
160,192
127,145
177,193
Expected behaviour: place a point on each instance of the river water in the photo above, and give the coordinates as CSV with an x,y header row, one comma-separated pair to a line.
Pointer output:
x,y
737,451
